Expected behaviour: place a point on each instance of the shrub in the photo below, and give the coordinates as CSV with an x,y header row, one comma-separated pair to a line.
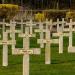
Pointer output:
x,y
54,15
70,15
40,16
8,11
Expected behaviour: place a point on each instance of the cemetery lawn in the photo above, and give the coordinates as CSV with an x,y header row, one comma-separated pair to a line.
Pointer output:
x,y
62,64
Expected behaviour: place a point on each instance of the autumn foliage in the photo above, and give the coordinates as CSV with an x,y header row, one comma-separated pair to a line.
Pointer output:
x,y
8,11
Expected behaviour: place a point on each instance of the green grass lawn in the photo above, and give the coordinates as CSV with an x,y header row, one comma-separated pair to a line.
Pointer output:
x,y
62,64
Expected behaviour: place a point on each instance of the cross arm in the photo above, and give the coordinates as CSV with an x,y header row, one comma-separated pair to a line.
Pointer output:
x,y
7,42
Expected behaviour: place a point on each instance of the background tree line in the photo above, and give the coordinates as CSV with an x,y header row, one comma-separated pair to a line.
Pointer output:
x,y
43,4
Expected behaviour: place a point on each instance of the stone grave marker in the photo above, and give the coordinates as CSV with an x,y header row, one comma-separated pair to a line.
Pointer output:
x,y
26,50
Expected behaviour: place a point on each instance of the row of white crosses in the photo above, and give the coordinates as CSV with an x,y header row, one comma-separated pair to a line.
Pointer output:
x,y
28,32
47,40
25,50
62,31
5,42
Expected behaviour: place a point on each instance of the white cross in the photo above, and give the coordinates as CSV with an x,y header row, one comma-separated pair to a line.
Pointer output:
x,y
71,48
47,40
69,33
41,31
60,34
29,23
48,43
12,32
5,42
26,51
5,48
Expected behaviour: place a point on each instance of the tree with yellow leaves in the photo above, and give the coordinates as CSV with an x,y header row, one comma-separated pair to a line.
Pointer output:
x,y
40,16
8,11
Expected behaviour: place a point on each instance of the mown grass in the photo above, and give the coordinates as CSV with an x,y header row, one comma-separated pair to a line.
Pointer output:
x,y
62,64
